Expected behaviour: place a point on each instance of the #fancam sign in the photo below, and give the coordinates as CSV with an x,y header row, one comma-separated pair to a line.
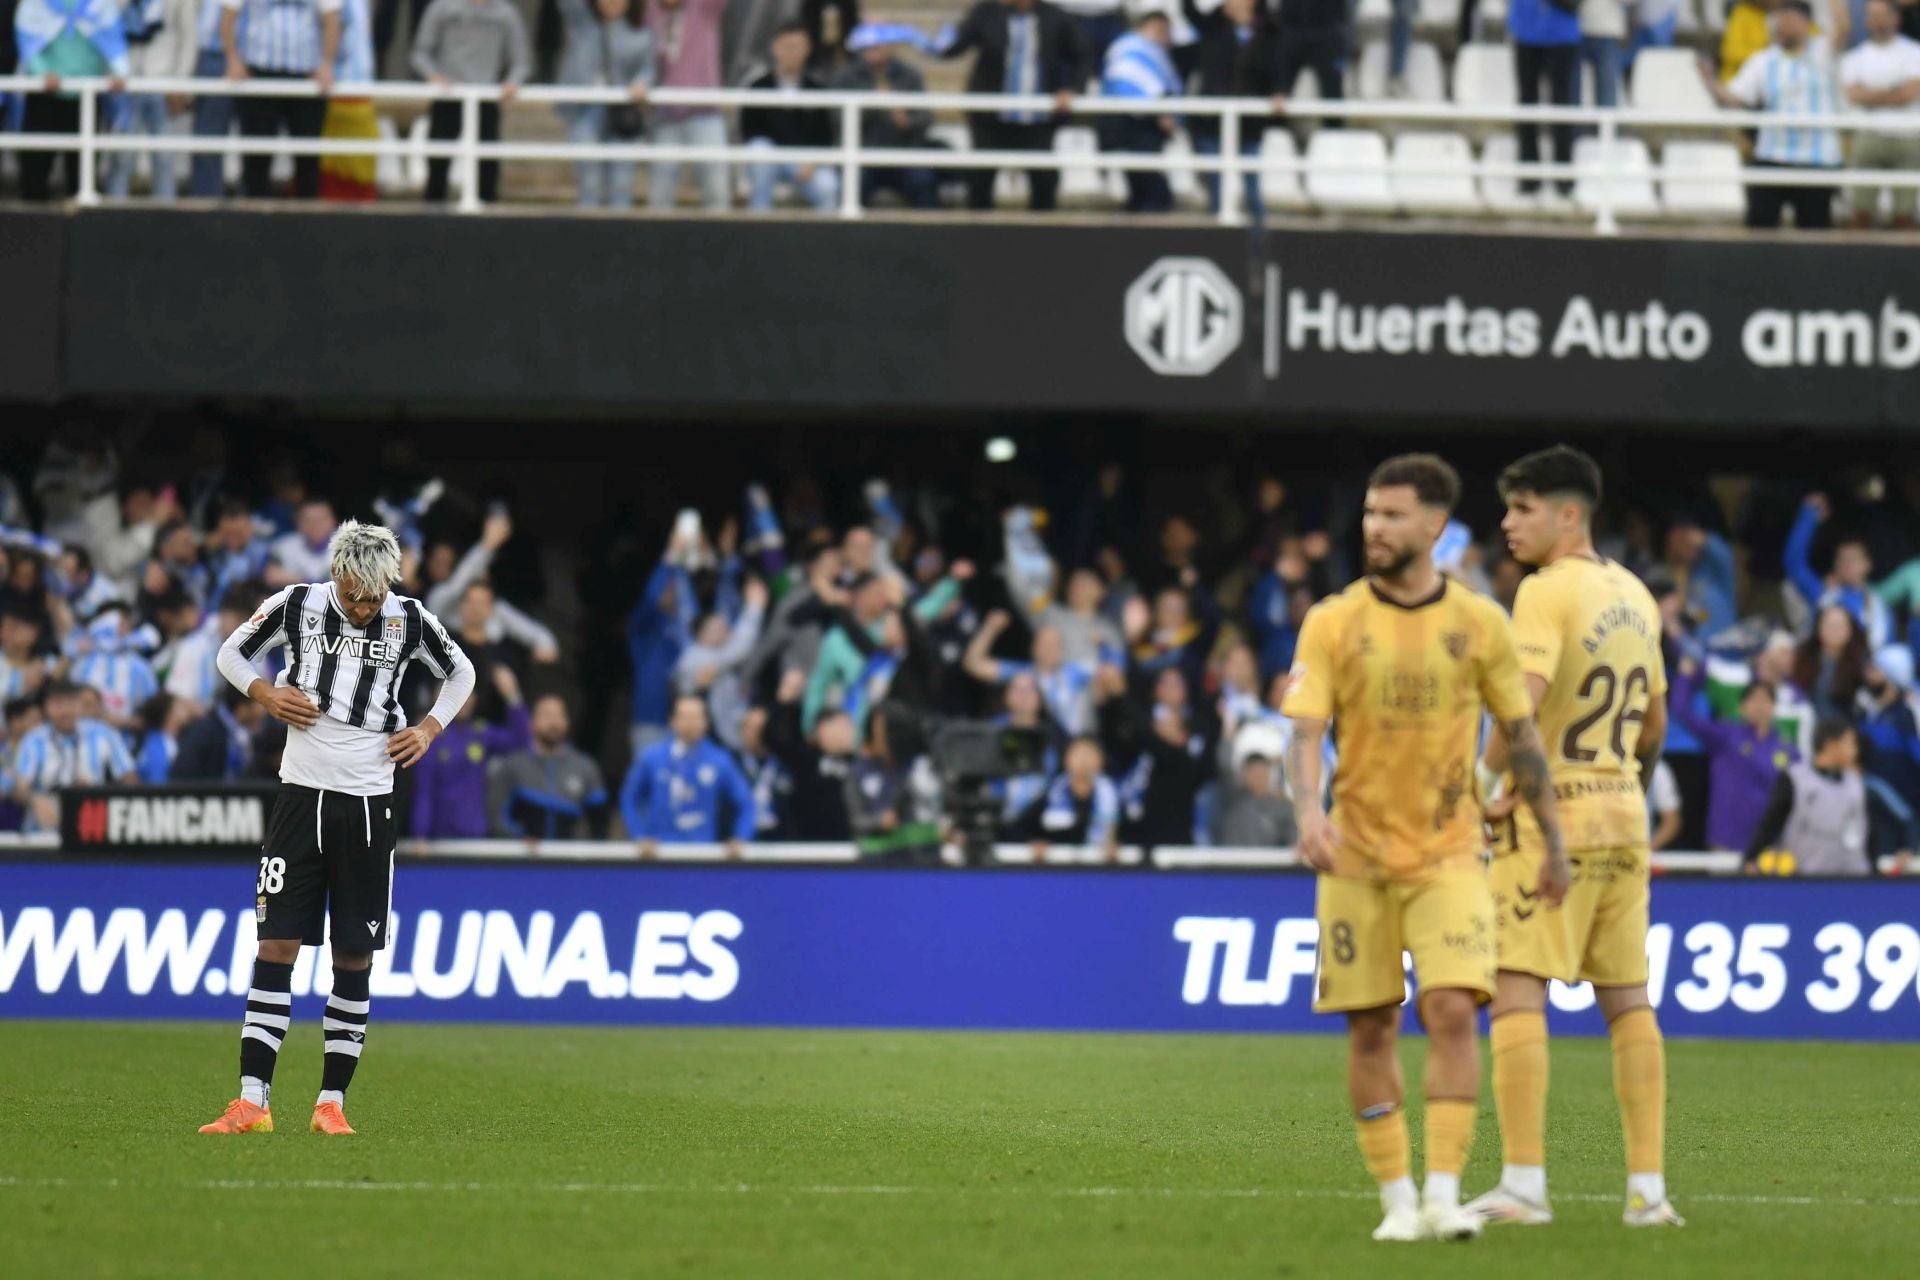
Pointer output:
x,y
164,818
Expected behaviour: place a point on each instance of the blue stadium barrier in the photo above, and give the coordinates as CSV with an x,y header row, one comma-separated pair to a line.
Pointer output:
x,y
808,946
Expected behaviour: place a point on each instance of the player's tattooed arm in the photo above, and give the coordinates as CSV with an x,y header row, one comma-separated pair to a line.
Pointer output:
x,y
1318,837
1528,762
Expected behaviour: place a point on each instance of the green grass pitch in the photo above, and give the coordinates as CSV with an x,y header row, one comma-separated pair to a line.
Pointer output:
x,y
527,1151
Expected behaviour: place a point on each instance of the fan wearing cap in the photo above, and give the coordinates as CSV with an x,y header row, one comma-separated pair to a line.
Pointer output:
x,y
876,67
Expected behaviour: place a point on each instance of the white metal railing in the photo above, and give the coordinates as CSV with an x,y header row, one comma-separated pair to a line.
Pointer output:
x,y
851,155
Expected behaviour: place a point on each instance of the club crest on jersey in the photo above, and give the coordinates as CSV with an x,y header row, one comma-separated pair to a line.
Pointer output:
x,y
396,630
1455,643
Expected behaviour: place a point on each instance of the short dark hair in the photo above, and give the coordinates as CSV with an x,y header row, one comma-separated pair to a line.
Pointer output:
x,y
174,597
81,556
19,611
1758,686
154,711
1432,479
59,689
1561,471
794,27
233,509
1828,730
241,598
1800,7
20,706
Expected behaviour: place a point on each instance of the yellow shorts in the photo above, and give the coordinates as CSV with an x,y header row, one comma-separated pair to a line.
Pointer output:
x,y
1445,920
1598,935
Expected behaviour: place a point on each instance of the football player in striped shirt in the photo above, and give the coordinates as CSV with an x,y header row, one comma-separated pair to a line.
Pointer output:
x,y
328,858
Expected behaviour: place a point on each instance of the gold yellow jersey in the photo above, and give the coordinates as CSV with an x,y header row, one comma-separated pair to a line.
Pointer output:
x,y
1404,686
1591,630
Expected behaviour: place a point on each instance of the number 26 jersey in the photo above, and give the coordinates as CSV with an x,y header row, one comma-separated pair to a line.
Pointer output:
x,y
1591,630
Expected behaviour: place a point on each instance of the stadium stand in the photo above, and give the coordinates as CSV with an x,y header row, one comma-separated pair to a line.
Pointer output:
x,y
1440,70
1144,626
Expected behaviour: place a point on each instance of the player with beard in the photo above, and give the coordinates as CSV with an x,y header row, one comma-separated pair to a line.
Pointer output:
x,y
1401,664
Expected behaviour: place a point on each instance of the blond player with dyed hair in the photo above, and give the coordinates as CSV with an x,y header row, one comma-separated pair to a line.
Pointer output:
x,y
1402,665
1588,633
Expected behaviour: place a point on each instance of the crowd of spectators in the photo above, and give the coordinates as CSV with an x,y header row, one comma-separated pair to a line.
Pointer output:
x,y
789,676
1784,57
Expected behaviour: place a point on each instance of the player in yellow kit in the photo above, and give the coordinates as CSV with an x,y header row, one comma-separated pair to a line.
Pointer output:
x,y
1588,633
1402,663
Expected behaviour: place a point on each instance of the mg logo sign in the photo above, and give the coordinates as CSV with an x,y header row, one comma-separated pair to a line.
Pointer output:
x,y
1183,317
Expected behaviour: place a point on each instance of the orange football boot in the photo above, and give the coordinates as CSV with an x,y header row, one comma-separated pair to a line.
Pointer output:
x,y
241,1116
328,1118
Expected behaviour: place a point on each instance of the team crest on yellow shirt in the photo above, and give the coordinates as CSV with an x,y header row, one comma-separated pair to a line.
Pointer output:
x,y
1456,644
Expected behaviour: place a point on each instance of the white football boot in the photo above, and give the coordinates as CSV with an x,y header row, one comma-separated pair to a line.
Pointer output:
x,y
1502,1204
1641,1214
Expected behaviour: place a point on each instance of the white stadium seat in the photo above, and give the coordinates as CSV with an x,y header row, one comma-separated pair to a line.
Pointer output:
x,y
1184,180
390,172
955,136
1426,76
1373,12
1441,14
1280,189
1720,198
1082,179
1669,80
1483,76
1502,193
1630,165
1367,192
1451,191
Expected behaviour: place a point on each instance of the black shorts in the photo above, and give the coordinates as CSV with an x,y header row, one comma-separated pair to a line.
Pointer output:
x,y
328,854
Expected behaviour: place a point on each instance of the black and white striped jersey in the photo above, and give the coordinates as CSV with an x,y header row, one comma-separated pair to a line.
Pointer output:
x,y
352,674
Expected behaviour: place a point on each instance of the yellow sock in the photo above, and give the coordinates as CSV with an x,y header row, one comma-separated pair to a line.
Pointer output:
x,y
1449,1134
1520,1085
1384,1145
1640,1083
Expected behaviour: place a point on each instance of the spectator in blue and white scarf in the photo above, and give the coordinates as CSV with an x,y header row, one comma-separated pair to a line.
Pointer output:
x,y
1065,687
59,39
1080,807
110,663
1140,67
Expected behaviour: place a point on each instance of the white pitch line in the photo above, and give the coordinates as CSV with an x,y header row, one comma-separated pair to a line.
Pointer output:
x,y
743,1188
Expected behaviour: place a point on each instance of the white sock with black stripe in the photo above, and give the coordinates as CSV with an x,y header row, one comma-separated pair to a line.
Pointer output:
x,y
345,1028
269,1014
